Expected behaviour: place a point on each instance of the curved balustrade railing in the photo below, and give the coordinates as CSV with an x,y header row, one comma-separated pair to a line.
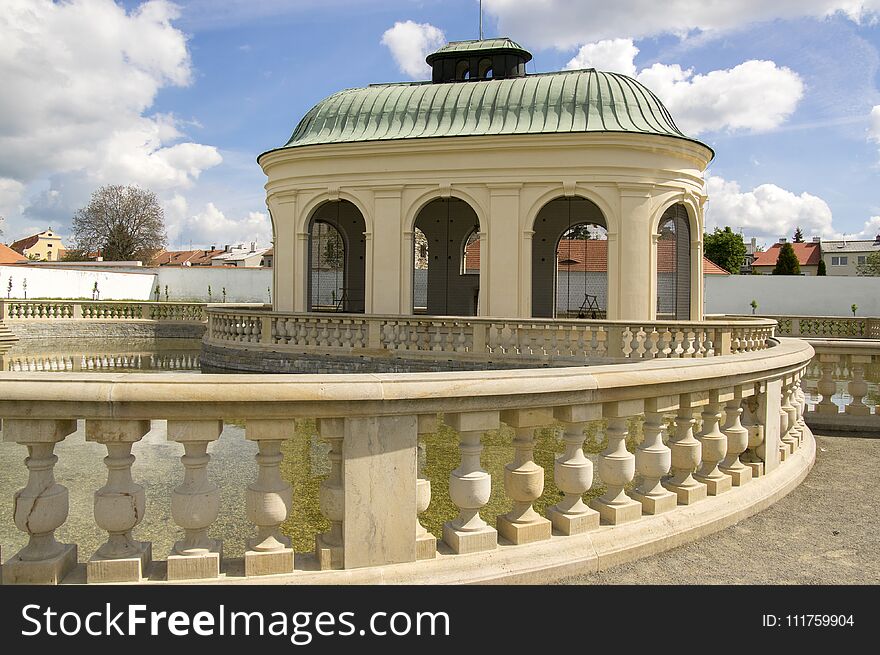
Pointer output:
x,y
485,338
105,361
749,447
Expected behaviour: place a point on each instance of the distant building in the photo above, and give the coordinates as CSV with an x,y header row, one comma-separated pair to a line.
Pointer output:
x,y
240,256
45,246
808,255
751,252
185,257
268,258
9,256
844,257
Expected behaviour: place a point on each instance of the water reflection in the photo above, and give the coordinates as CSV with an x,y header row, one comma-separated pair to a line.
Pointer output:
x,y
116,355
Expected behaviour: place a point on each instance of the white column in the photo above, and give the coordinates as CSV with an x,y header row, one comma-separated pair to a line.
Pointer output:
x,y
470,487
737,441
714,444
387,259
41,506
268,500
501,254
119,505
573,472
617,466
195,503
686,452
524,480
654,459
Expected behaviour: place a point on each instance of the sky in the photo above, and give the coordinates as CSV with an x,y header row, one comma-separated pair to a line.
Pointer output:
x,y
180,98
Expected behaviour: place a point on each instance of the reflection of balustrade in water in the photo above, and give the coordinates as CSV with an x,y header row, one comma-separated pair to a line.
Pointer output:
x,y
752,419
177,361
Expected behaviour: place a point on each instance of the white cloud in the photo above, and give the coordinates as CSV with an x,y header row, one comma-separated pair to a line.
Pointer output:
x,y
870,230
410,43
212,227
10,196
767,211
566,24
615,55
874,127
79,79
756,95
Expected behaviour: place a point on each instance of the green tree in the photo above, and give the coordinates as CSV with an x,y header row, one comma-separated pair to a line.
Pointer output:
x,y
821,270
725,248
798,235
787,263
121,222
871,267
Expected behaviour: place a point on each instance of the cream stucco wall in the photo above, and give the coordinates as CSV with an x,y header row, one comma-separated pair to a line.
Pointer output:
x,y
46,248
632,178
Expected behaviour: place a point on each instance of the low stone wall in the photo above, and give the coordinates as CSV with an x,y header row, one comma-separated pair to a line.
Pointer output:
x,y
100,330
227,358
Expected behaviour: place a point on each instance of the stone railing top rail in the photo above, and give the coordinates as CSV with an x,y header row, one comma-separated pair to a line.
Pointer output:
x,y
845,346
136,396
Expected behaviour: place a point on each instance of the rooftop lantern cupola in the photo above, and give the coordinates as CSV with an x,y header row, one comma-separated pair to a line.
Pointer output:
x,y
485,59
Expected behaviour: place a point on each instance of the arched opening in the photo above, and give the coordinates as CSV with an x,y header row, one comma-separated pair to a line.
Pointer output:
x,y
337,258
485,69
570,260
463,70
674,265
446,259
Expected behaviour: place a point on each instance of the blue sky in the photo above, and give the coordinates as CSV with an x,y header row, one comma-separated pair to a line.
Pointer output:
x,y
181,99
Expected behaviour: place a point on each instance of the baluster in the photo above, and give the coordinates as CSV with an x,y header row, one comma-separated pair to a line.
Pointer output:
x,y
686,452
331,497
794,428
801,406
470,487
426,543
787,442
737,441
195,503
653,458
573,472
617,466
119,505
857,386
524,480
714,444
827,386
40,507
268,500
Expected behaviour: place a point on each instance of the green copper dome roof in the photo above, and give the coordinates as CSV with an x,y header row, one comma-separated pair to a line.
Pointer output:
x,y
550,103
483,46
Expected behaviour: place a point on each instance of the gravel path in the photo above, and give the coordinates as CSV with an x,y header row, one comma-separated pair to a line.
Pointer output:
x,y
823,532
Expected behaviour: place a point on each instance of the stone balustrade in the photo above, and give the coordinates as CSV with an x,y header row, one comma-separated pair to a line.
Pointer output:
x,y
474,339
828,327
100,361
736,442
844,363
115,310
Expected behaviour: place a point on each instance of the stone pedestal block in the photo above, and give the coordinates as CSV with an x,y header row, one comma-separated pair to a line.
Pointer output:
x,y
656,503
123,569
569,524
617,513
47,571
328,554
274,562
426,546
475,541
195,567
523,533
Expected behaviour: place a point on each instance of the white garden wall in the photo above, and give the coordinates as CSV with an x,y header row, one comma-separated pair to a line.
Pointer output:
x,y
792,294
44,282
191,283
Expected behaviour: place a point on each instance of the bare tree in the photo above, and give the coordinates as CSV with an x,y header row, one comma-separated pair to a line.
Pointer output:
x,y
122,223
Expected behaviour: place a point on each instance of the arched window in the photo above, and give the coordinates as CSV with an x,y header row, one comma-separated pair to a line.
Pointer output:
x,y
485,69
449,249
337,258
674,265
570,260
463,70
